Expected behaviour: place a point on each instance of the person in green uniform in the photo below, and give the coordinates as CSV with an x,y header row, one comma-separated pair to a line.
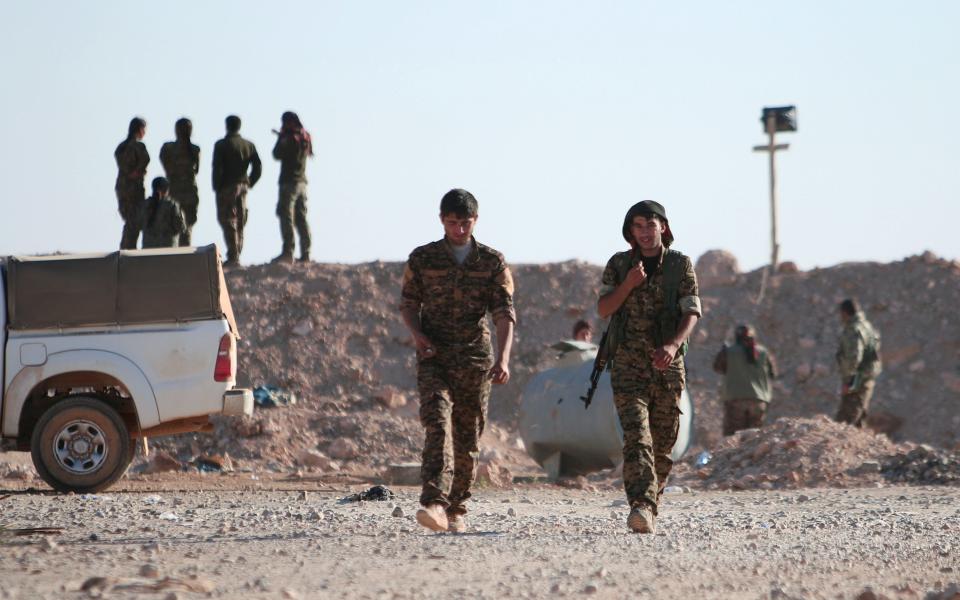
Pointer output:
x,y
236,169
858,358
748,370
132,160
163,221
292,149
181,162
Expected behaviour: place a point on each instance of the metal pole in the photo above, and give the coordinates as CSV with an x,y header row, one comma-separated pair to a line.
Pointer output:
x,y
775,246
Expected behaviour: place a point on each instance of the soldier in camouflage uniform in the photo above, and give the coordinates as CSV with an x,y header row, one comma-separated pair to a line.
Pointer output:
x,y
449,288
163,222
292,149
181,162
748,370
651,294
236,169
132,160
858,358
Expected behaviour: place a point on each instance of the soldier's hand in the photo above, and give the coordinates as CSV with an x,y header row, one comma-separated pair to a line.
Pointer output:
x,y
425,347
636,276
500,373
663,356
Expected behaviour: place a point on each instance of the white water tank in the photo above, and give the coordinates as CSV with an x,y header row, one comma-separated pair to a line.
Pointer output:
x,y
568,440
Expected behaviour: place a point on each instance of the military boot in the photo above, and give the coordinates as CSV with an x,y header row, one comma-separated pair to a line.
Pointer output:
x,y
642,520
304,258
433,517
285,257
456,523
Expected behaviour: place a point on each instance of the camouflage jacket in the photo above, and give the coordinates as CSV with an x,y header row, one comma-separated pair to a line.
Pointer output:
x,y
181,164
162,227
641,313
859,349
132,160
743,379
233,157
453,300
293,159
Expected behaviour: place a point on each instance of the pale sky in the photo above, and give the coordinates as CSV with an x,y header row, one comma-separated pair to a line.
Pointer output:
x,y
556,115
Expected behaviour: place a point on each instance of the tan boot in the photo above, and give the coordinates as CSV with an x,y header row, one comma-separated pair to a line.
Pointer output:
x,y
642,520
456,524
433,517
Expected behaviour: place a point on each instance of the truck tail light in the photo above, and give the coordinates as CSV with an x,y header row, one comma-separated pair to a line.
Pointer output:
x,y
223,370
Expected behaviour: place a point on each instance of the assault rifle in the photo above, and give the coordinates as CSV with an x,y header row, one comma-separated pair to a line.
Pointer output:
x,y
599,364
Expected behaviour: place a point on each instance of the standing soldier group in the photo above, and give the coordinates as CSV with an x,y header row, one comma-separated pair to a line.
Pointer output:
x,y
167,218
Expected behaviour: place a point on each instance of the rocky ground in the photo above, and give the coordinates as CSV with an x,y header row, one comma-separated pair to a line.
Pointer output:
x,y
529,542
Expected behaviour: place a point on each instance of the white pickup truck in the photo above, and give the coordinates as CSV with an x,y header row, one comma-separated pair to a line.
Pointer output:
x,y
99,350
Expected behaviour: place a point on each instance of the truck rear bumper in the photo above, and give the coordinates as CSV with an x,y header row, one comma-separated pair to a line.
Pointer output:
x,y
238,401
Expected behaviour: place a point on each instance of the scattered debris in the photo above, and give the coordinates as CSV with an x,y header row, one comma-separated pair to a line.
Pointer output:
x,y
161,462
271,396
377,493
119,584
213,463
923,465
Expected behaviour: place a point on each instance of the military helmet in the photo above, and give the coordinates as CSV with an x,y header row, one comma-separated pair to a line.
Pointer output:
x,y
647,209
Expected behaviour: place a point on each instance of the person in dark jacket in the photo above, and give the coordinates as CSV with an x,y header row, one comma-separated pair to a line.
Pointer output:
x,y
132,160
181,162
163,221
236,169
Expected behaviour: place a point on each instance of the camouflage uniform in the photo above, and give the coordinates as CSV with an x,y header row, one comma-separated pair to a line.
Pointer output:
x,y
858,358
233,156
181,162
132,160
292,204
647,399
453,301
746,386
162,227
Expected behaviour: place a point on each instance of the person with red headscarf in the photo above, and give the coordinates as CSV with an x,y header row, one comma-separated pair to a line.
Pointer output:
x,y
748,371
294,145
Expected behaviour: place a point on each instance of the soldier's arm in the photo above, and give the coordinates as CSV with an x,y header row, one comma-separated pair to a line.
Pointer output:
x,y
196,159
216,171
614,293
504,318
411,299
772,369
278,148
165,157
256,166
720,361
143,159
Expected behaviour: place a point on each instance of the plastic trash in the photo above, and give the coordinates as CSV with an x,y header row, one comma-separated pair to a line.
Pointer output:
x,y
271,396
703,459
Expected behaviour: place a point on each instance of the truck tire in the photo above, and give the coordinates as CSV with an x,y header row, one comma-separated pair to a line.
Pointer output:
x,y
81,445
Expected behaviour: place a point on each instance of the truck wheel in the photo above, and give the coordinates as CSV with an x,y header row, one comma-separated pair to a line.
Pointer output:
x,y
81,445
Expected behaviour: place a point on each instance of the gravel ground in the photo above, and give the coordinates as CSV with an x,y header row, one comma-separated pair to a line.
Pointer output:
x,y
528,542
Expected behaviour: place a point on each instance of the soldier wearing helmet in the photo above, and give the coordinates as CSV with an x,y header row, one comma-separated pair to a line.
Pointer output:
x,y
650,293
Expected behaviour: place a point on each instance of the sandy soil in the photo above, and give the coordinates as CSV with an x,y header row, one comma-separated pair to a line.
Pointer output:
x,y
255,541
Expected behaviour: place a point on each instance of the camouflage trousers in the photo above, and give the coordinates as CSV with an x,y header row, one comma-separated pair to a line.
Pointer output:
x,y
189,200
854,405
232,216
130,201
743,413
650,419
292,210
453,411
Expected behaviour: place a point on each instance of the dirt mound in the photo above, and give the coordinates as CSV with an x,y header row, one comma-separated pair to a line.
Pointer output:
x,y
792,453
